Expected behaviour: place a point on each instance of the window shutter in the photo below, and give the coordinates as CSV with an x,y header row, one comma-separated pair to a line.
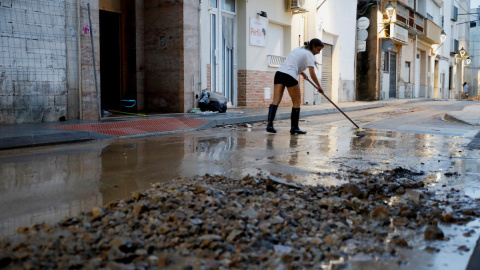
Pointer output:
x,y
275,39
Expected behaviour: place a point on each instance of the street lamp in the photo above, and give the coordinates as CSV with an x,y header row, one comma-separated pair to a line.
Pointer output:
x,y
443,36
462,52
468,60
390,9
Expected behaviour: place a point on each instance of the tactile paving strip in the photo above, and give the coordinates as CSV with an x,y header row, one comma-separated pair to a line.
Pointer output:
x,y
124,128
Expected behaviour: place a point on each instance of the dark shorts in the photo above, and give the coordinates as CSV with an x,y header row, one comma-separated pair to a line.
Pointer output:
x,y
285,79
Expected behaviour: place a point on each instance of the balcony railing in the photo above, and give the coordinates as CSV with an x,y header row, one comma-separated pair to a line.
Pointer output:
x,y
419,23
275,60
401,14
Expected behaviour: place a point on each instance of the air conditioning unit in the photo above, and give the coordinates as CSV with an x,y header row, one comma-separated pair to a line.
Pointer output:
x,y
297,6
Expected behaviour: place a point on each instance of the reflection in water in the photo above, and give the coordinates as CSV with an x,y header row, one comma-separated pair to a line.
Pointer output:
x,y
293,150
270,141
47,185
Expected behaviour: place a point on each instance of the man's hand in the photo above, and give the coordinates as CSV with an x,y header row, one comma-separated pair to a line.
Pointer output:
x,y
304,75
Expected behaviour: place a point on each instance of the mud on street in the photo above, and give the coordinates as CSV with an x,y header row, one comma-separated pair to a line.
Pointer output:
x,y
240,199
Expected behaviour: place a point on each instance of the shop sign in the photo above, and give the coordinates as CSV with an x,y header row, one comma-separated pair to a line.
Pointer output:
x,y
258,32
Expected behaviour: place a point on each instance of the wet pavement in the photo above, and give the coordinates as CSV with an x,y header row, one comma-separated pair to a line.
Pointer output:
x,y
119,126
47,183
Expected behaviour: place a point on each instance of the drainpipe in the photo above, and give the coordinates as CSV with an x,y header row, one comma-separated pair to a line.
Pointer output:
x,y
415,61
379,70
355,48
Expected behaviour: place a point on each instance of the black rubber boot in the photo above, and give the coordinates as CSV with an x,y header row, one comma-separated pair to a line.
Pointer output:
x,y
294,118
272,110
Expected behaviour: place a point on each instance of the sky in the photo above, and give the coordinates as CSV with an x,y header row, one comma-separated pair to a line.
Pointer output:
x,y
474,3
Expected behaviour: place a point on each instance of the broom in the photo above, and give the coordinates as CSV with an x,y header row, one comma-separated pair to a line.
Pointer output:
x,y
360,131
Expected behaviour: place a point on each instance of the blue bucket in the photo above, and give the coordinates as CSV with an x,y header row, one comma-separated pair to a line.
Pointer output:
x,y
128,103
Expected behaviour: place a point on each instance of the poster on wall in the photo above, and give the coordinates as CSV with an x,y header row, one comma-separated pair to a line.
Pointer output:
x,y
258,32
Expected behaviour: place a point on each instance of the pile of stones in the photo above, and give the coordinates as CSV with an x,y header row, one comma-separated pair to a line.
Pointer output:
x,y
213,222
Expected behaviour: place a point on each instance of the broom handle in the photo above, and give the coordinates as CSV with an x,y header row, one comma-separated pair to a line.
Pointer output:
x,y
115,111
333,104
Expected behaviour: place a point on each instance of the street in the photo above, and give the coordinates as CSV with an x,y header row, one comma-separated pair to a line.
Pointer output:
x,y
46,184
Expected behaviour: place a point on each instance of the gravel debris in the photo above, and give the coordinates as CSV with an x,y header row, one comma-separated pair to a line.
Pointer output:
x,y
215,222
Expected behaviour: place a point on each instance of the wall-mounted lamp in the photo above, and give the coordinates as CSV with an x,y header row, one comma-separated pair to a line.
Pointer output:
x,y
390,9
462,52
443,36
262,14
468,60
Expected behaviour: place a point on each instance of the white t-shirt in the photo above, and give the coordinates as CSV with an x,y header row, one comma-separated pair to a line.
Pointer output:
x,y
297,61
465,88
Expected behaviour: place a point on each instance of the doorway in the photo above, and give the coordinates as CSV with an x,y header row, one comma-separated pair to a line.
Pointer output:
x,y
393,76
110,59
223,42
436,81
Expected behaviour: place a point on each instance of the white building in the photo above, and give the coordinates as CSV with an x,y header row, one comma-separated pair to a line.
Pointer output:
x,y
473,68
336,27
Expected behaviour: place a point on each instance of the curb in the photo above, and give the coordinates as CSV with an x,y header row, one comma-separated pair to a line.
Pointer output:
x,y
51,138
474,261
452,118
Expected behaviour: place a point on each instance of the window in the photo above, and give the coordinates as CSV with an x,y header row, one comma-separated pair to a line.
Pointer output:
x,y
213,3
454,13
228,5
386,62
407,71
275,44
275,39
429,16
429,64
473,24
450,78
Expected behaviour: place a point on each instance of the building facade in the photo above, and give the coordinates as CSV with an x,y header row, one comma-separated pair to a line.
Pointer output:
x,y
415,49
79,58
473,69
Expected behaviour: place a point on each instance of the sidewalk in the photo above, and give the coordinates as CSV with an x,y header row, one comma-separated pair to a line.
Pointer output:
x,y
469,115
26,135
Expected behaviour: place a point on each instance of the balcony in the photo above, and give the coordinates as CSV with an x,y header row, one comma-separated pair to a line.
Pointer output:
x,y
409,19
432,32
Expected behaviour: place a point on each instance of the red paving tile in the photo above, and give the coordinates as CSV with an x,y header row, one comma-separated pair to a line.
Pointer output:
x,y
124,128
